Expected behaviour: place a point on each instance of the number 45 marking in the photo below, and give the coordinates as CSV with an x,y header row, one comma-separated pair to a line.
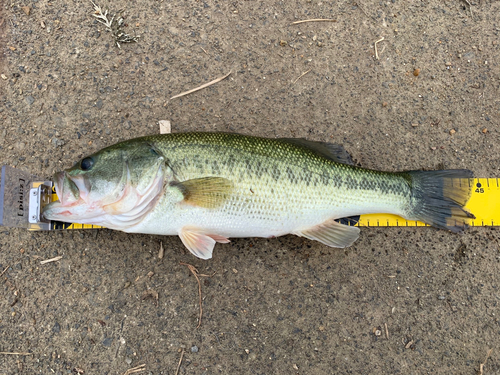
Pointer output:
x,y
479,189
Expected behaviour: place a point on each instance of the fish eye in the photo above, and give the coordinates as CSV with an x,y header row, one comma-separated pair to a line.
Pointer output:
x,y
87,164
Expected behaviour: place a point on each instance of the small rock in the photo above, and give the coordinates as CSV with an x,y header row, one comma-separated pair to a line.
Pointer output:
x,y
414,124
128,360
107,342
452,131
384,104
3,76
485,130
56,328
30,100
194,349
26,10
283,43
416,72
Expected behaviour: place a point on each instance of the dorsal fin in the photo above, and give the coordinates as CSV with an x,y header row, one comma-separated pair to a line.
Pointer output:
x,y
327,150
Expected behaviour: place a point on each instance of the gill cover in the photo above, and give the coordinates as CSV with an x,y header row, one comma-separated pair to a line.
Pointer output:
x,y
115,187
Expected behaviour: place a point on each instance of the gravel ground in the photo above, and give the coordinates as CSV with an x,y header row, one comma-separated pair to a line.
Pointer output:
x,y
400,300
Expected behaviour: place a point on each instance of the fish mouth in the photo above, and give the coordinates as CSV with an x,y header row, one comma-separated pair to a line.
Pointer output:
x,y
66,189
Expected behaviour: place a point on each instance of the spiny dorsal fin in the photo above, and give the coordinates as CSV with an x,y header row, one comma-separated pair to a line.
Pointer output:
x,y
330,151
331,234
206,192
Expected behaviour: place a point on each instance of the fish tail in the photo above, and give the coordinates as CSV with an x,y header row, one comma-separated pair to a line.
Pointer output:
x,y
438,197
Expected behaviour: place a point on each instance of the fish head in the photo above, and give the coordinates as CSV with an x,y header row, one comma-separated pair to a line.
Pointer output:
x,y
115,187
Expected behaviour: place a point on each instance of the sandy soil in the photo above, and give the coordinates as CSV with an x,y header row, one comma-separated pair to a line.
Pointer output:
x,y
401,300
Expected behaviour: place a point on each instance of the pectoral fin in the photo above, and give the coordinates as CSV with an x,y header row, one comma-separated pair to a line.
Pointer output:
x,y
200,243
206,192
331,234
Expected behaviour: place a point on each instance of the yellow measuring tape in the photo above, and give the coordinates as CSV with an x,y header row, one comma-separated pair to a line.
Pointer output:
x,y
484,203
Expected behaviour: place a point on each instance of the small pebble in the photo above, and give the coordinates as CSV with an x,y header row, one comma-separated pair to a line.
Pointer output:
x,y
452,131
485,130
194,349
283,43
416,72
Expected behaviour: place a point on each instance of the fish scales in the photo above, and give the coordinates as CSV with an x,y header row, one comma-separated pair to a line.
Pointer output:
x,y
273,176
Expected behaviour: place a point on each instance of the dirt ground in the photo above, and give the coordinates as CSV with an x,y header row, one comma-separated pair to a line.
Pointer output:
x,y
399,301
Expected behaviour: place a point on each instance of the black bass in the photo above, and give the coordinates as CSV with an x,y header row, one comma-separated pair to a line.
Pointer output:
x,y
209,187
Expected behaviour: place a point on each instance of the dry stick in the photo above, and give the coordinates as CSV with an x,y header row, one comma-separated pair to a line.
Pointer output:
x,y
195,272
15,353
314,20
201,87
135,369
299,77
376,52
180,361
51,260
386,331
5,270
481,366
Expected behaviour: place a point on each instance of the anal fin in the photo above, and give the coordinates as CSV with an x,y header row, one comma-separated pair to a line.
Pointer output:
x,y
331,233
199,243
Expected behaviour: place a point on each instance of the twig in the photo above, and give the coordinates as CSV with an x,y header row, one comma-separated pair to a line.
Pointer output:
x,y
360,7
15,353
314,20
114,28
481,366
299,77
386,331
51,260
195,272
376,52
135,369
470,7
5,270
200,87
179,365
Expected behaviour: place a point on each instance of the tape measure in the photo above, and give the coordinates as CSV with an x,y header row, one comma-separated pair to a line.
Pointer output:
x,y
484,203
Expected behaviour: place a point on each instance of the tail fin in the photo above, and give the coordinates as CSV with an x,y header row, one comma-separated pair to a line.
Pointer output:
x,y
439,197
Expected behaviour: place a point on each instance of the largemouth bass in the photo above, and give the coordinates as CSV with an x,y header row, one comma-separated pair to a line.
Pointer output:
x,y
209,187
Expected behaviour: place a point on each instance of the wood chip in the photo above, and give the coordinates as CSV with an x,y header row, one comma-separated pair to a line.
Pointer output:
x,y
51,260
201,87
161,252
165,127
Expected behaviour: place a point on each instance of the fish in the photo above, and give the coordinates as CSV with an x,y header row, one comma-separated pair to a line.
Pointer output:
x,y
210,187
